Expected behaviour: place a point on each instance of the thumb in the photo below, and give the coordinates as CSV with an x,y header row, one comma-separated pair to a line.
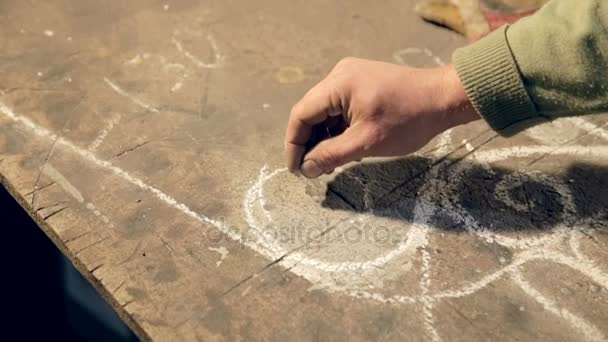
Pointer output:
x,y
334,152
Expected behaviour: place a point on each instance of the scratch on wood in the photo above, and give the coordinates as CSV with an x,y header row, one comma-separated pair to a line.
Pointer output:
x,y
119,286
40,188
76,237
46,159
130,149
127,303
54,213
50,205
97,267
91,245
165,243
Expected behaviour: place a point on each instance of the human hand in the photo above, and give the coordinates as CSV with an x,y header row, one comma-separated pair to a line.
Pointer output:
x,y
365,108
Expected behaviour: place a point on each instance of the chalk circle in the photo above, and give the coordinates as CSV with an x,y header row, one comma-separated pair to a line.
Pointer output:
x,y
417,57
349,246
350,272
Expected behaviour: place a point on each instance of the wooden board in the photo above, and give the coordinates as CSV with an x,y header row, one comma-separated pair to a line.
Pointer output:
x,y
145,138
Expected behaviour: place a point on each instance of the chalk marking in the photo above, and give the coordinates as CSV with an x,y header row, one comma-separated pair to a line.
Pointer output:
x,y
591,332
583,266
104,133
223,252
443,145
427,302
135,60
133,99
219,58
49,33
177,86
398,55
59,179
467,145
520,258
92,158
589,127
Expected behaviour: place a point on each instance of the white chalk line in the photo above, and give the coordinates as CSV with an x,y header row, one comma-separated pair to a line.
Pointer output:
x,y
52,173
471,225
133,99
589,127
255,194
545,242
587,268
67,186
428,302
444,143
222,251
591,332
92,158
218,61
398,55
104,132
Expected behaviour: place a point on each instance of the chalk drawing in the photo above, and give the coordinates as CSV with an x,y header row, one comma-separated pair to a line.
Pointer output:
x,y
467,145
589,127
49,171
133,99
541,247
59,179
223,252
569,128
401,56
104,132
68,146
218,61
135,60
341,276
176,87
590,332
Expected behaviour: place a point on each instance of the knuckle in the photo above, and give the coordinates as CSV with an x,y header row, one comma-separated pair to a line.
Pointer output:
x,y
296,110
345,63
375,135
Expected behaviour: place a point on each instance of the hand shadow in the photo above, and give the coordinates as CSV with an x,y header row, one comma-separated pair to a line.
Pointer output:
x,y
497,199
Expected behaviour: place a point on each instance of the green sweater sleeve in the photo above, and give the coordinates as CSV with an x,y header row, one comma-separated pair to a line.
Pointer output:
x,y
552,64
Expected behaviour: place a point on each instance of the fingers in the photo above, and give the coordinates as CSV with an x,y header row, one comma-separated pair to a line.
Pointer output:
x,y
334,152
314,108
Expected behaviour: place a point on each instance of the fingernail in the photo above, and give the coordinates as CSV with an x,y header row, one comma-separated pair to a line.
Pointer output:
x,y
310,169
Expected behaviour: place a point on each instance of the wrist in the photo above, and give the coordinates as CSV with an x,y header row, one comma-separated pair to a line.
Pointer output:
x,y
455,106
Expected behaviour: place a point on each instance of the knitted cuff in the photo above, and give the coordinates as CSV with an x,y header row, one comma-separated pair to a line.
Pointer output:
x,y
493,82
